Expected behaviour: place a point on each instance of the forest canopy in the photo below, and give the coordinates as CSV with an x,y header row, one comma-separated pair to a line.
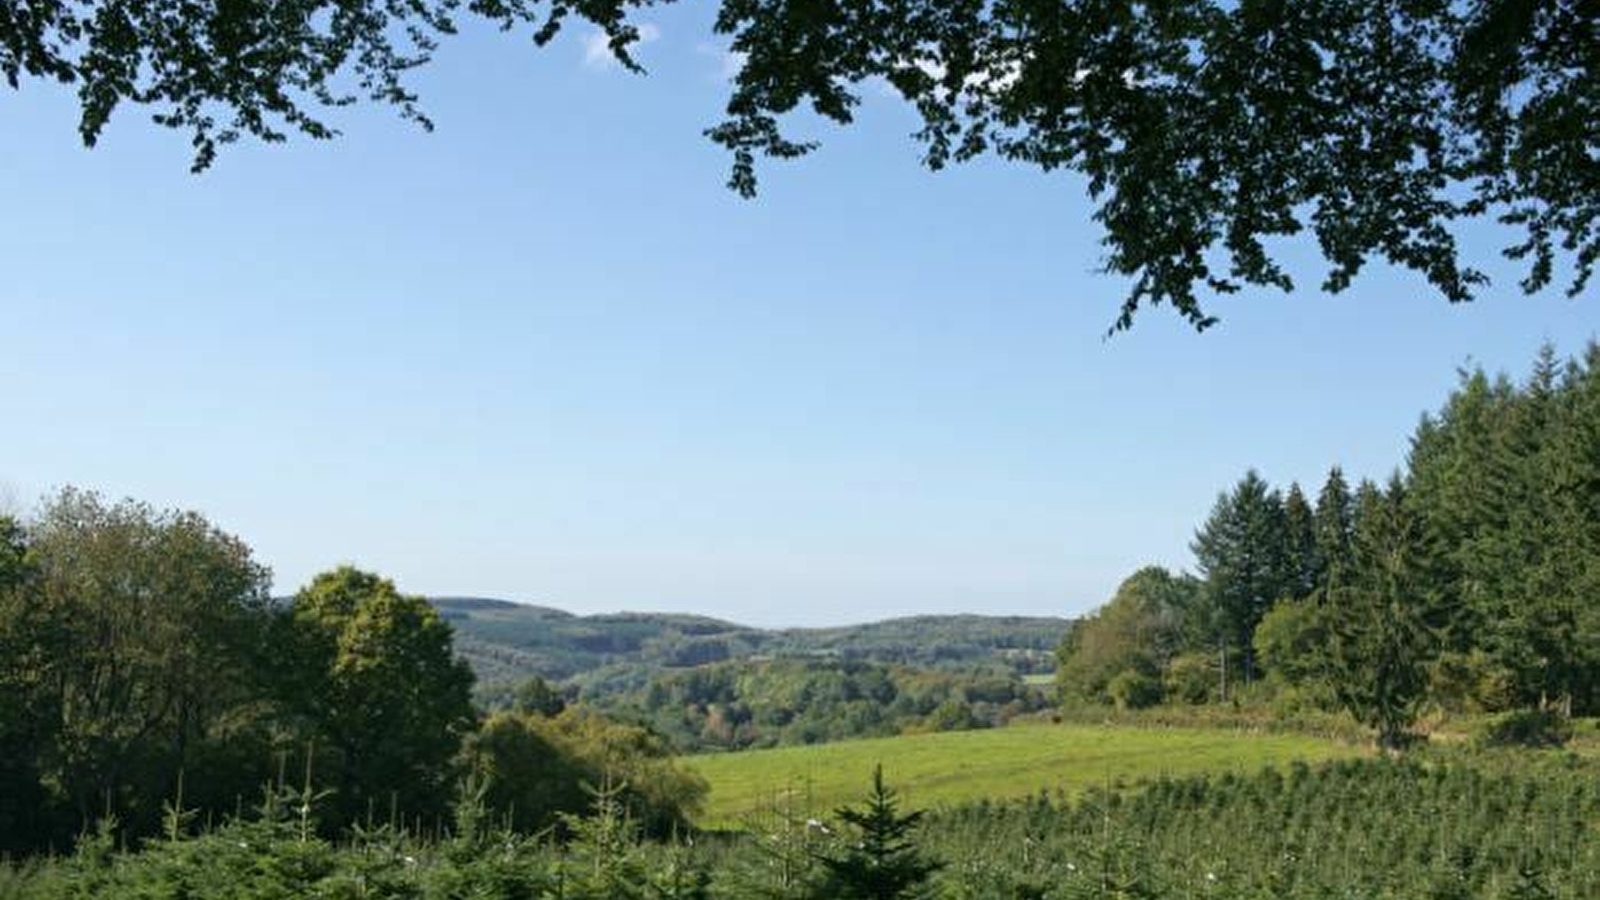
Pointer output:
x,y
145,667
1467,582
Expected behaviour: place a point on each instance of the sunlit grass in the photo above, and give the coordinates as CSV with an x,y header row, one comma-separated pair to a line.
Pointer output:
x,y
952,767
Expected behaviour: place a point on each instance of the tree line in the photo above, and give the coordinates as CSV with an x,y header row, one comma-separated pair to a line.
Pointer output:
x,y
752,704
143,661
1469,581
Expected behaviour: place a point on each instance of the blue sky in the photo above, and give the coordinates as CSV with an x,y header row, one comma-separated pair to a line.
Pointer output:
x,y
542,354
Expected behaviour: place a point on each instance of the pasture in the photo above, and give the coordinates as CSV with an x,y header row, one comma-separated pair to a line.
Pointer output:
x,y
941,769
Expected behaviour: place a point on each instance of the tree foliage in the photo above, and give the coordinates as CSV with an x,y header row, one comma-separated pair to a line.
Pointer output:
x,y
1468,583
148,679
140,622
1133,638
1383,624
1206,130
380,691
878,857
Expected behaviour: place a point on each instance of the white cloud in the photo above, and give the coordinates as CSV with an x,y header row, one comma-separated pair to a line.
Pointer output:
x,y
729,62
597,46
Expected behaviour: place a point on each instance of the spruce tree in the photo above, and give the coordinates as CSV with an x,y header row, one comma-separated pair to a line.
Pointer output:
x,y
1383,620
878,858
1240,553
1331,526
1299,545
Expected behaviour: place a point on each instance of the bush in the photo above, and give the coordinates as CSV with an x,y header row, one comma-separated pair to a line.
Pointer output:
x,y
1191,678
1527,728
1133,689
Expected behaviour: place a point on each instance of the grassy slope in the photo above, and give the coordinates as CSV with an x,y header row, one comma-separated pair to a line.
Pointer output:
x,y
935,769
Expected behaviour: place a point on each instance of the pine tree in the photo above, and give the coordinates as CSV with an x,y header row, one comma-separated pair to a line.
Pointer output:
x,y
878,860
1299,545
1240,553
1331,526
1383,620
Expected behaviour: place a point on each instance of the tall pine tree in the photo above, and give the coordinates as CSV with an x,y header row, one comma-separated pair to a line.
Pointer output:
x,y
1384,618
1299,545
1241,556
1331,526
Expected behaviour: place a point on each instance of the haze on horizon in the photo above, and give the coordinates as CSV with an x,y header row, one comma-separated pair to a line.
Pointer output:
x,y
543,355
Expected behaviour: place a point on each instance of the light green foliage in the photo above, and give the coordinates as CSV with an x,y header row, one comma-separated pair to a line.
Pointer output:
x,y
537,769
957,767
1136,634
1191,678
1289,641
380,691
1355,829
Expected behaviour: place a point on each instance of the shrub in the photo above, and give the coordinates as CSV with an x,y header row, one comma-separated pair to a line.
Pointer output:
x,y
1190,678
1133,689
1527,728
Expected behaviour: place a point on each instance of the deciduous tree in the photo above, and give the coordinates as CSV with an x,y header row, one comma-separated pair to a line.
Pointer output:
x,y
1205,130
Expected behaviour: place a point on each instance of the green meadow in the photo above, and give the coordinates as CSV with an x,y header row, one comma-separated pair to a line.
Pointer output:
x,y
950,767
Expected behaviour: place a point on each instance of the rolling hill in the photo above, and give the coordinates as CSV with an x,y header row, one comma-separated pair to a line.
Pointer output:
x,y
506,642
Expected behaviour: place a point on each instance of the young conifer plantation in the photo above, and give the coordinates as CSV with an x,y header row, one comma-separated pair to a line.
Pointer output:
x,y
171,731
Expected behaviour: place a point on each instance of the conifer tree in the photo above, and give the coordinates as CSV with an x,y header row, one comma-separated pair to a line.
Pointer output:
x,y
1383,621
878,859
1240,552
1331,525
1299,545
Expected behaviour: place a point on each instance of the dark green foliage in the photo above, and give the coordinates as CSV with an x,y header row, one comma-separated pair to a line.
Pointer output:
x,y
379,691
27,707
1133,689
535,695
147,678
1332,525
1468,585
1242,552
1479,827
1205,130
1301,569
877,857
738,705
1384,623
133,651
1528,728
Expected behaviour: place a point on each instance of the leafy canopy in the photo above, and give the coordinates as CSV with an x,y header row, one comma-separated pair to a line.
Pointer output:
x,y
1206,129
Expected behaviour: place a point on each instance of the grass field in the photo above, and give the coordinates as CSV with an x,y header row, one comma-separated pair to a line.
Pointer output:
x,y
950,767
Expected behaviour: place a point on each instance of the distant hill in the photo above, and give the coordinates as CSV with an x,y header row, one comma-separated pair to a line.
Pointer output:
x,y
506,642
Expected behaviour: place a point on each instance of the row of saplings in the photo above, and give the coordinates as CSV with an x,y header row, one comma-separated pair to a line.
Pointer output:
x,y
1346,831
277,852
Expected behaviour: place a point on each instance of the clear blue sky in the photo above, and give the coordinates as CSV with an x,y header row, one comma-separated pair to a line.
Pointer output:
x,y
542,354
